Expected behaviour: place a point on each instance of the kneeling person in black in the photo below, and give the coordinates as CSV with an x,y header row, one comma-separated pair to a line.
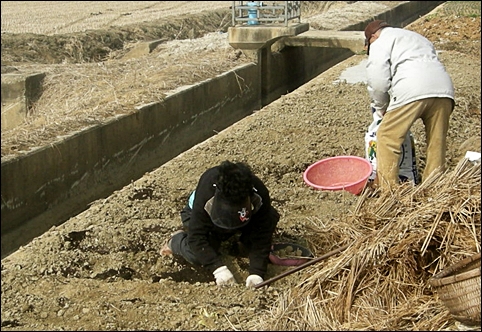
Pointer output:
x,y
229,199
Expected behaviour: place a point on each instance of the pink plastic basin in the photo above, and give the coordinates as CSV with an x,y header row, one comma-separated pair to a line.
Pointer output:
x,y
306,254
348,173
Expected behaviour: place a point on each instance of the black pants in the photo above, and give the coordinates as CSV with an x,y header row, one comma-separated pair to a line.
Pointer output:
x,y
179,245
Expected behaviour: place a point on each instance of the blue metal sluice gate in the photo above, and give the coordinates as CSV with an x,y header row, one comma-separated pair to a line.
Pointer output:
x,y
265,12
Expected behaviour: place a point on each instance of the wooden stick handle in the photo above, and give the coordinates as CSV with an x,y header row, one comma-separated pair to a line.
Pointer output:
x,y
302,266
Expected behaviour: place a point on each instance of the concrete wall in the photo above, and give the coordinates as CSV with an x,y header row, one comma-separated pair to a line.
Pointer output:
x,y
49,185
19,92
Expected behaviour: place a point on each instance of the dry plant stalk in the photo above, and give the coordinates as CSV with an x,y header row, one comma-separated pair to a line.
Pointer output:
x,y
381,281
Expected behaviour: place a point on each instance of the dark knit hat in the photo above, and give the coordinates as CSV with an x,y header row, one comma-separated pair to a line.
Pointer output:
x,y
372,28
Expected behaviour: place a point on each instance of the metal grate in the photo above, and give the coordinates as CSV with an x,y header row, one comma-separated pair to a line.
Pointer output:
x,y
265,12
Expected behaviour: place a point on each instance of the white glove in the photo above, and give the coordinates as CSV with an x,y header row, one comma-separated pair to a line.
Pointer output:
x,y
252,280
223,276
381,113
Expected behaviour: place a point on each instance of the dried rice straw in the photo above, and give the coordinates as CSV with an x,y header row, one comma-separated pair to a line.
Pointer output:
x,y
380,281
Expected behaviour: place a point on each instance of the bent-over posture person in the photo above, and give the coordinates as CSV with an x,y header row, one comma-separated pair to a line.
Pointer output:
x,y
406,82
229,199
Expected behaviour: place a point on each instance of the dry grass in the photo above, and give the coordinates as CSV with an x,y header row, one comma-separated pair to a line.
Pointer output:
x,y
77,96
56,17
398,242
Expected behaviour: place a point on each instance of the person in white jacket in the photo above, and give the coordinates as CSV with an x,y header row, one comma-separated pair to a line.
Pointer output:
x,y
406,82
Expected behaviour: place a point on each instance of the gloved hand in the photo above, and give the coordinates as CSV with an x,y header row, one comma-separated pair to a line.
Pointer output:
x,y
223,276
377,113
381,113
252,280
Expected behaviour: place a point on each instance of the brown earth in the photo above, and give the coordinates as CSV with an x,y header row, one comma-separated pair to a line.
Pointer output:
x,y
101,270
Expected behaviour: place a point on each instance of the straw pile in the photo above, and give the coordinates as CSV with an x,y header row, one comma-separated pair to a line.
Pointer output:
x,y
398,242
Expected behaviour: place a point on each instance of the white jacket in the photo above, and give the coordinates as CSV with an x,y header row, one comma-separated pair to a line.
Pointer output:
x,y
403,67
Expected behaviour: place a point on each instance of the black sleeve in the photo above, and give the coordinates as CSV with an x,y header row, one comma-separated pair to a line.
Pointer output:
x,y
200,224
259,232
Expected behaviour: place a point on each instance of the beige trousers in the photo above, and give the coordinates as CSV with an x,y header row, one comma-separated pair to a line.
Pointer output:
x,y
435,114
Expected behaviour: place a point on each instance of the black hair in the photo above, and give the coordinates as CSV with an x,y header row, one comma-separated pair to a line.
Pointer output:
x,y
235,180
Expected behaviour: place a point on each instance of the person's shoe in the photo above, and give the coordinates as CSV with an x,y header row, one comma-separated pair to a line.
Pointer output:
x,y
166,249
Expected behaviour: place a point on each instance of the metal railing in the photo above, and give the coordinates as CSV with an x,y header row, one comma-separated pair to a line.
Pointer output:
x,y
265,12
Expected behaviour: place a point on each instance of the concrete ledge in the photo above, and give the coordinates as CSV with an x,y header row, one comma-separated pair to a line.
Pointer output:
x,y
353,40
256,37
19,91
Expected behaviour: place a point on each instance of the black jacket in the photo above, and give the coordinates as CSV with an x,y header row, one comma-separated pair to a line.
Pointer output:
x,y
256,235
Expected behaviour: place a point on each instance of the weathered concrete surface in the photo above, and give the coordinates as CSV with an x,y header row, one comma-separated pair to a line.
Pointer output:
x,y
255,37
352,40
19,91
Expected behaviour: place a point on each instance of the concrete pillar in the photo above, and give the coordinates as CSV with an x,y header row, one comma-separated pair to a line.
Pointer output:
x,y
19,91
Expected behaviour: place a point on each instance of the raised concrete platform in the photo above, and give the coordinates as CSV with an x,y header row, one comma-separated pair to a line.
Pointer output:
x,y
297,35
253,37
353,40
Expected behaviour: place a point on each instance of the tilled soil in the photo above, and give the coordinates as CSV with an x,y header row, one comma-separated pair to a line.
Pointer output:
x,y
101,270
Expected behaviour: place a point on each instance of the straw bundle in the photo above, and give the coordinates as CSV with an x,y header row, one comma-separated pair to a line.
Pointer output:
x,y
398,242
